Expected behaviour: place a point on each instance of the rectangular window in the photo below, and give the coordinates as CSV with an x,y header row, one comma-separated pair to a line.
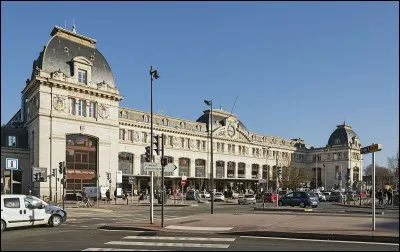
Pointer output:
x,y
130,135
81,108
12,203
12,141
71,106
82,76
204,145
121,134
91,110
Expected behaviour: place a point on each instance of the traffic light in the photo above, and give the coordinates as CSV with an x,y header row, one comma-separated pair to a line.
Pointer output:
x,y
36,175
164,162
108,176
147,154
53,172
279,173
156,144
60,167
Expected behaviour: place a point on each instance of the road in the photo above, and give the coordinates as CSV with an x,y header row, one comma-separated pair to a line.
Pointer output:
x,y
84,218
92,239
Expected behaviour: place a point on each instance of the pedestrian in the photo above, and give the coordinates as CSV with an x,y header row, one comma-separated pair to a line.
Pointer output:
x,y
108,195
380,197
390,196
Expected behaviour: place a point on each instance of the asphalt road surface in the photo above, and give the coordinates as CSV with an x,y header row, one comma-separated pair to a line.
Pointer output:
x,y
64,239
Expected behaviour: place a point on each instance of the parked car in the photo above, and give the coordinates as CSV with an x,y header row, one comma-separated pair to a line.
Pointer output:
x,y
321,196
302,199
190,195
219,196
235,195
270,197
336,196
205,195
246,199
19,210
327,195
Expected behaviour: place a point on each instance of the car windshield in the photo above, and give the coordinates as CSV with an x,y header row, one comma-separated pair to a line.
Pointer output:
x,y
311,195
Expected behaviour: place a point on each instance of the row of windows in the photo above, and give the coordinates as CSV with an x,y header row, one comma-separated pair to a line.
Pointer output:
x,y
82,108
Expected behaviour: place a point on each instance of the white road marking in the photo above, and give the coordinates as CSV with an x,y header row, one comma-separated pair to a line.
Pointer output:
x,y
118,249
178,238
165,244
130,231
200,228
316,240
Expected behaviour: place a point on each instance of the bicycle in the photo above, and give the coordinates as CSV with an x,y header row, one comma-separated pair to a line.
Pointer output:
x,y
85,203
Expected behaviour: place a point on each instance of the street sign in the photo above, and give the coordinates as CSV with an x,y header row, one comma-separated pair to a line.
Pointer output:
x,y
371,148
12,164
262,181
151,167
184,177
183,182
170,167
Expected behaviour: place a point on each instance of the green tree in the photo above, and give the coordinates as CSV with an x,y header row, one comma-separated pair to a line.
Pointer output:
x,y
383,175
293,177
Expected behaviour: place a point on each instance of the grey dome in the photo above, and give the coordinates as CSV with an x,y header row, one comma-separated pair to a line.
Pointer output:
x,y
217,118
343,135
60,51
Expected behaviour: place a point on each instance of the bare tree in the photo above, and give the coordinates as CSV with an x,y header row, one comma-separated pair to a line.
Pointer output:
x,y
200,182
383,175
293,177
157,181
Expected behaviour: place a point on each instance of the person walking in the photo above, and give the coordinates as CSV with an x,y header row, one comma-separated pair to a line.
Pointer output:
x,y
380,197
108,195
390,197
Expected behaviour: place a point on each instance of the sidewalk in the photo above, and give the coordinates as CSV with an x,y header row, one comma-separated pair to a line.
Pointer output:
x,y
288,226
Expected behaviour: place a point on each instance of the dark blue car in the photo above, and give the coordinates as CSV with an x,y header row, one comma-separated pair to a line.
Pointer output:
x,y
302,199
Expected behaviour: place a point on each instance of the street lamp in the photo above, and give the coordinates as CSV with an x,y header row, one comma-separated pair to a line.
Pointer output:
x,y
153,75
210,121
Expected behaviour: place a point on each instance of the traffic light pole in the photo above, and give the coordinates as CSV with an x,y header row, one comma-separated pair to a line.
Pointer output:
x,y
162,181
151,145
277,182
373,191
63,184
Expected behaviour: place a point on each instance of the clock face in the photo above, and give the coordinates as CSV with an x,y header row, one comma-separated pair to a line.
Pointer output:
x,y
231,131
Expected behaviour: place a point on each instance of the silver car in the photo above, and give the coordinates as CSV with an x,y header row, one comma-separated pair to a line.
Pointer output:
x,y
246,199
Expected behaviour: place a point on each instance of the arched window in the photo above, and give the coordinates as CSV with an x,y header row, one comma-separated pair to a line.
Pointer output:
x,y
125,163
184,166
219,169
200,168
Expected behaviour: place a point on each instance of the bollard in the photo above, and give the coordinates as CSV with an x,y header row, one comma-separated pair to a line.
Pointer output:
x,y
127,200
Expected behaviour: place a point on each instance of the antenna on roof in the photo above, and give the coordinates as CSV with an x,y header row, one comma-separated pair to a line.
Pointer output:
x,y
73,26
233,106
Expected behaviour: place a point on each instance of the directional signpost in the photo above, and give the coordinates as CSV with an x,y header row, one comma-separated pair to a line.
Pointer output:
x,y
12,165
151,167
372,149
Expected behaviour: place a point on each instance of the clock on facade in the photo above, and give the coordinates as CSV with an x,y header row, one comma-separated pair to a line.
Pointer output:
x,y
231,131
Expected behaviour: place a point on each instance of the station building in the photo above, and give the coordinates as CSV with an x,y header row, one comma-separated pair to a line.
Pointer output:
x,y
70,112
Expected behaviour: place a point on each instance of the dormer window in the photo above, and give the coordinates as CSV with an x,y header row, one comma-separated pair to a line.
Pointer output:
x,y
82,70
82,76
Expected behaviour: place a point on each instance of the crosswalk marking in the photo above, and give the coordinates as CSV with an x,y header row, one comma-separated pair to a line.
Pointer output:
x,y
138,242
166,244
178,238
119,249
200,228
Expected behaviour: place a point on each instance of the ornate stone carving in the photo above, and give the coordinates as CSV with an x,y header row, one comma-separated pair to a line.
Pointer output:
x,y
37,71
58,75
175,141
103,111
135,136
192,143
220,133
59,103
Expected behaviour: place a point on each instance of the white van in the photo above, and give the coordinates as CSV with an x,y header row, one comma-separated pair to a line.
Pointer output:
x,y
26,210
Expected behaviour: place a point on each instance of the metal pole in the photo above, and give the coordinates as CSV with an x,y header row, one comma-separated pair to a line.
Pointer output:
x,y
212,162
11,182
316,171
277,182
341,177
151,142
162,180
56,185
373,191
97,189
151,197
324,177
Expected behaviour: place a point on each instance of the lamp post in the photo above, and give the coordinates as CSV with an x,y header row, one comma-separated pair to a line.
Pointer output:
x,y
153,75
209,103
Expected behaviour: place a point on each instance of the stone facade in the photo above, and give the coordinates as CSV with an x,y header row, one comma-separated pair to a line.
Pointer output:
x,y
72,92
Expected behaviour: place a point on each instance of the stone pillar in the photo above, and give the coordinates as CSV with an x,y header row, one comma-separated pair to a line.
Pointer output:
x,y
225,170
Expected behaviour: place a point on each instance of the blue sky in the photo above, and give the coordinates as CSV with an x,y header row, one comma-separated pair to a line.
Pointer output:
x,y
298,69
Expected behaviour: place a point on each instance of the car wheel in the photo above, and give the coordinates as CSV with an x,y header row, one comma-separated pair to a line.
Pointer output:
x,y
280,203
314,206
55,220
302,204
3,226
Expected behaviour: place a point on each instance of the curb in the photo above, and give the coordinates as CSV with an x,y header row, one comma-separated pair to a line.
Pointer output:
x,y
159,205
132,228
355,206
316,236
281,209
